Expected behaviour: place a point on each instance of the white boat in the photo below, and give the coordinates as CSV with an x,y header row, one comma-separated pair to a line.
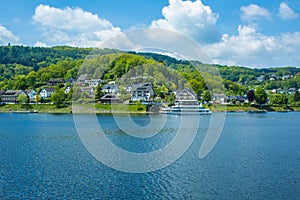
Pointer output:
x,y
186,103
178,109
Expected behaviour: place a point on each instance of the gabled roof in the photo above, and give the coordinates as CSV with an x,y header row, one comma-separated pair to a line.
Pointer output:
x,y
48,89
29,91
186,94
83,77
146,86
12,92
110,97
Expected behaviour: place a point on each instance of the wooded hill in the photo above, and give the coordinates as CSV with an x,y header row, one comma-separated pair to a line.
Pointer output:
x,y
24,67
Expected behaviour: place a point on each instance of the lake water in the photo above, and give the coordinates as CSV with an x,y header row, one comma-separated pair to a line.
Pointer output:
x,y
256,157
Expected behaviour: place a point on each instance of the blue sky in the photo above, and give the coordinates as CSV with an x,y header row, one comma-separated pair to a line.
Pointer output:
x,y
257,33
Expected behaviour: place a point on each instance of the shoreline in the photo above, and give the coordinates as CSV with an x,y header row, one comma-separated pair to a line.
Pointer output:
x,y
125,109
134,113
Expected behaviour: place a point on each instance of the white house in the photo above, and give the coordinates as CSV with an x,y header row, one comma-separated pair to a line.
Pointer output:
x,y
67,90
31,95
110,89
95,82
219,98
142,92
46,93
83,80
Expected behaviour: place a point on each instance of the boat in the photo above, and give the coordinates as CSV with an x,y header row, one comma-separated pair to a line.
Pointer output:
x,y
186,103
178,109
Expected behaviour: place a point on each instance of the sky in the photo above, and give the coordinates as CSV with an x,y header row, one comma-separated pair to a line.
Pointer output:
x,y
261,33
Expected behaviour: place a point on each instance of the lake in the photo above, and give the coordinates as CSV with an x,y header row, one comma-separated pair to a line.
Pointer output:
x,y
256,157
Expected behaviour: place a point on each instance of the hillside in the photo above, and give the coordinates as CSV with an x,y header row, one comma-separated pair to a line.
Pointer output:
x,y
32,67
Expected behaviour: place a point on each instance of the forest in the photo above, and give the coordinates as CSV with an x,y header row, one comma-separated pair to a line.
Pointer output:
x,y
23,67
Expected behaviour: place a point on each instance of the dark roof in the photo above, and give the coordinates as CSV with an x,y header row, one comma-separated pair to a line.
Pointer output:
x,y
49,89
110,86
147,85
29,91
12,92
110,97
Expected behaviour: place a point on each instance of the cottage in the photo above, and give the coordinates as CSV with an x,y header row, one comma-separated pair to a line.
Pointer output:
x,y
31,95
67,90
260,78
237,99
142,92
11,96
46,93
95,82
292,90
54,82
110,89
88,90
110,99
186,97
83,80
219,98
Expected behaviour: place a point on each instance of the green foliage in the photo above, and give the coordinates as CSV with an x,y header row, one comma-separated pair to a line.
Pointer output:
x,y
31,67
22,99
279,99
58,97
206,96
261,96
297,96
98,93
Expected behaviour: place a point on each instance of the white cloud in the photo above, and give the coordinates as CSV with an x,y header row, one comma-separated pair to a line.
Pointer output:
x,y
191,18
40,44
286,13
254,12
253,49
73,26
7,36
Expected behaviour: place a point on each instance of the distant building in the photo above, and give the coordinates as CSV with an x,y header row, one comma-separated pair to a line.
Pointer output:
x,y
110,99
31,95
186,97
142,92
95,82
88,90
237,99
219,98
260,78
110,89
83,80
54,82
11,96
67,90
292,90
46,93
286,77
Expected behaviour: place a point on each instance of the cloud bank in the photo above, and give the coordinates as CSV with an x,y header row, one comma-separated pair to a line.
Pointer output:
x,y
73,26
193,19
248,47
